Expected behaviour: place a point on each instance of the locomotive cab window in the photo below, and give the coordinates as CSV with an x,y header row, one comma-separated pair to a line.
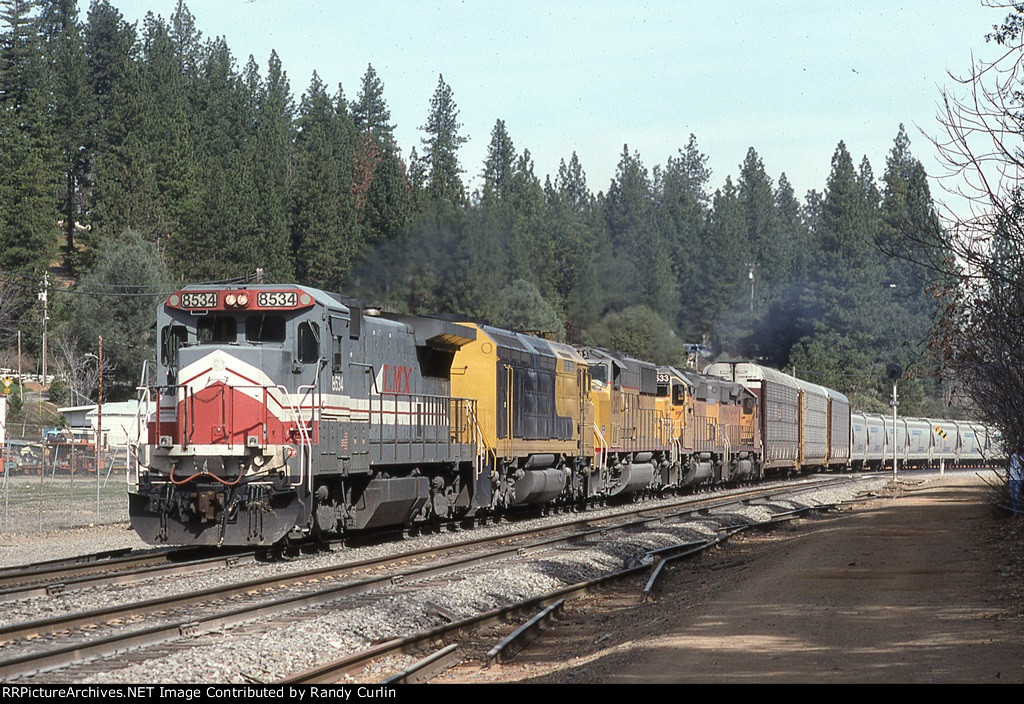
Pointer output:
x,y
172,337
678,394
265,328
309,342
213,329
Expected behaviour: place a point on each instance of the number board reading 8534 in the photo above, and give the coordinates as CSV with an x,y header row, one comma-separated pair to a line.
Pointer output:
x,y
276,299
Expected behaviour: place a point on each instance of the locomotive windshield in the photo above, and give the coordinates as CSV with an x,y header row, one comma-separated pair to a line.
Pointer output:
x,y
265,328
213,329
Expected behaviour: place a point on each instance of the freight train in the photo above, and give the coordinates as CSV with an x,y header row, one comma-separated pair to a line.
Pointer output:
x,y
286,412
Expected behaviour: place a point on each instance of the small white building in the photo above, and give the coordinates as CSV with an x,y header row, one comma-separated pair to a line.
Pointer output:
x,y
123,423
76,417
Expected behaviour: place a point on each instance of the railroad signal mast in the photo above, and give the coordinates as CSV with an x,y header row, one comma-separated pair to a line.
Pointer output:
x,y
894,372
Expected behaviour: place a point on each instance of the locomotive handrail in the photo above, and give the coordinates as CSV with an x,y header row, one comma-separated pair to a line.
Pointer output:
x,y
431,404
304,439
676,445
189,398
509,408
144,399
602,444
667,428
482,440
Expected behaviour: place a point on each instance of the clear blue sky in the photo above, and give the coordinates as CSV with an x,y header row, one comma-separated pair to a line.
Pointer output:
x,y
789,78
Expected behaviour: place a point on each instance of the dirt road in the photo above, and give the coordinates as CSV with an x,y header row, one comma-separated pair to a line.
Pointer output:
x,y
925,586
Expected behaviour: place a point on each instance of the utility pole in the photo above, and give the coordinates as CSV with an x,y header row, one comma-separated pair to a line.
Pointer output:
x,y
44,297
99,429
751,277
99,395
895,402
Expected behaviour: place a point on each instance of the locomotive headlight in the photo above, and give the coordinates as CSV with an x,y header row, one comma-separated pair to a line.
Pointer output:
x,y
230,299
243,299
258,459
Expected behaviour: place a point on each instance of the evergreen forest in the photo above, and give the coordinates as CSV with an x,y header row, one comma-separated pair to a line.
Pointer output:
x,y
138,157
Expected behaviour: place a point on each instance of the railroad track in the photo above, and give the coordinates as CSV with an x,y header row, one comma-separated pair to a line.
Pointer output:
x,y
545,606
123,570
61,641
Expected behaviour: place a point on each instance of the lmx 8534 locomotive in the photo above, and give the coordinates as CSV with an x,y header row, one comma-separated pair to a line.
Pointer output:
x,y
286,412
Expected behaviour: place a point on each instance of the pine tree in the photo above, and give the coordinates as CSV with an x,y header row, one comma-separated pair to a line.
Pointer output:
x,y
269,152
122,178
187,40
907,214
682,210
532,249
722,279
168,134
571,183
582,246
848,287
326,236
117,297
388,205
224,110
110,46
370,111
643,269
756,193
20,69
74,108
499,164
794,237
383,195
30,163
792,311
441,149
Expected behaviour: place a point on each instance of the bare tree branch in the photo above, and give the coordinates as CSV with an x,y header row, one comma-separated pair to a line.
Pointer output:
x,y
979,332
80,369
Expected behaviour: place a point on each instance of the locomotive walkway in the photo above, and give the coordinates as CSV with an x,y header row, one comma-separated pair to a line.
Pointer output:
x,y
923,587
